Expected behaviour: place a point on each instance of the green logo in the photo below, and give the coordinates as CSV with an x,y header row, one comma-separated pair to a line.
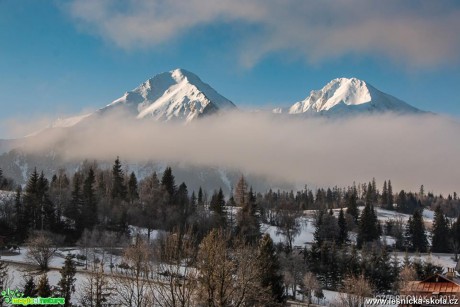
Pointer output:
x,y
15,297
9,295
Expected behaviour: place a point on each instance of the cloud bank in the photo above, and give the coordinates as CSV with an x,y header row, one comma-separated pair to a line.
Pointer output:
x,y
409,150
414,33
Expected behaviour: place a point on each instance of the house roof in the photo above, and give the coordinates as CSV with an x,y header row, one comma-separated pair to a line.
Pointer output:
x,y
436,283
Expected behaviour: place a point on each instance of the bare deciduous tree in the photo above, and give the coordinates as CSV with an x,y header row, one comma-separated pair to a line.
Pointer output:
x,y
175,276
229,276
133,285
354,291
288,218
41,249
311,284
95,290
406,275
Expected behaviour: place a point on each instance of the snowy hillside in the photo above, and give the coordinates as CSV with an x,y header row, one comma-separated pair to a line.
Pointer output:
x,y
344,96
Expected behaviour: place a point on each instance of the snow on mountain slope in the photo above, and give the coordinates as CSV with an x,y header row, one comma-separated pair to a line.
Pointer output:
x,y
175,95
345,96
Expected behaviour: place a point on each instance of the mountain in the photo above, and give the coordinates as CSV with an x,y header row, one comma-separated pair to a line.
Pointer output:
x,y
177,95
345,96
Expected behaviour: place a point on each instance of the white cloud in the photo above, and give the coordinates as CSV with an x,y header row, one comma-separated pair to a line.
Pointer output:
x,y
409,150
415,33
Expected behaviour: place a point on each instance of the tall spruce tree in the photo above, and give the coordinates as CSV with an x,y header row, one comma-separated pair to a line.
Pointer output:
x,y
21,218
271,276
248,226
66,284
90,208
119,190
368,229
32,202
441,232
352,205
133,193
217,206
200,201
343,230
390,199
74,210
415,233
168,182
384,196
30,289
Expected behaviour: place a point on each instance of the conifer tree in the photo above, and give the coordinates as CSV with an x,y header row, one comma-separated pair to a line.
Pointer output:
x,y
248,225
133,193
217,206
200,197
368,230
352,205
118,186
390,200
90,210
75,208
440,240
384,200
343,230
48,217
43,286
31,201
168,182
66,284
20,217
415,233
270,269
193,201
30,289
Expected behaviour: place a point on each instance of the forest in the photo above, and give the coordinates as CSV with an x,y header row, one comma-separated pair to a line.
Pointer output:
x,y
204,248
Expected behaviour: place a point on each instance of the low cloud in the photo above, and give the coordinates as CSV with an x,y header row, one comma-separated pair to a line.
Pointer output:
x,y
409,150
413,33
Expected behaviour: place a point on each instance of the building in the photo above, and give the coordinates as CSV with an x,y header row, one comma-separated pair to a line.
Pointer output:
x,y
437,290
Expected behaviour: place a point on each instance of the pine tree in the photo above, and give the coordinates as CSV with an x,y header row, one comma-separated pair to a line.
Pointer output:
x,y
270,269
21,219
217,206
31,202
440,240
30,289
422,192
118,186
352,205
75,208
43,286
133,193
248,225
168,182
90,210
390,200
368,230
415,233
343,231
66,284
200,197
384,198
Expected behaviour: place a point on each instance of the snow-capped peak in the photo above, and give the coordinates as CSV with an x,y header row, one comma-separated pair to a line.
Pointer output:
x,y
174,95
348,95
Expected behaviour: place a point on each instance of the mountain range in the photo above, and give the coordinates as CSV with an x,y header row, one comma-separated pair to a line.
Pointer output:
x,y
180,96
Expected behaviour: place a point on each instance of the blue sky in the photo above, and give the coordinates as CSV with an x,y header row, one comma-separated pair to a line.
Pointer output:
x,y
67,57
